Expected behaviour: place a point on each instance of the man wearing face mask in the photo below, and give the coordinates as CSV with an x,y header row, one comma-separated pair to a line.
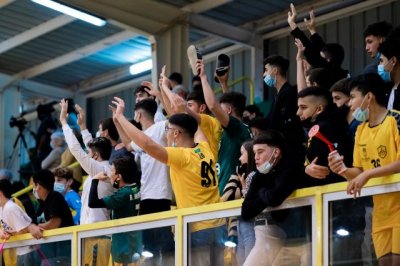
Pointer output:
x,y
274,181
317,108
390,66
283,112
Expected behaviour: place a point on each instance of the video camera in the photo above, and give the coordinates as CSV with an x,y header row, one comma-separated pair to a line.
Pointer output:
x,y
26,116
19,121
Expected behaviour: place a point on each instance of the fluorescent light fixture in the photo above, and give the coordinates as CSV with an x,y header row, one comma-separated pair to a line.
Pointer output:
x,y
147,254
342,232
230,244
141,67
71,12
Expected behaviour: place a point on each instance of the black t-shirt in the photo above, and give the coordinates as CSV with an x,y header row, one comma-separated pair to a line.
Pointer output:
x,y
56,206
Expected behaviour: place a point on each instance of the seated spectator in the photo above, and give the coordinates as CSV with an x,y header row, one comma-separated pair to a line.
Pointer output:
x,y
316,108
376,154
251,112
319,77
15,221
63,181
258,126
192,173
57,144
374,35
123,203
274,181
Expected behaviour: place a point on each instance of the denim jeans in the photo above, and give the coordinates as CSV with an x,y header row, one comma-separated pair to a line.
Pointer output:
x,y
246,239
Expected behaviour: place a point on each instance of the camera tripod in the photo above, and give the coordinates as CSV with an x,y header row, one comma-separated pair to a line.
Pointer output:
x,y
19,139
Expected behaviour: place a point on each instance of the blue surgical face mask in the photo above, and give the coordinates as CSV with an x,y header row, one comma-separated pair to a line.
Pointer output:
x,y
360,114
270,81
377,56
59,187
385,75
51,145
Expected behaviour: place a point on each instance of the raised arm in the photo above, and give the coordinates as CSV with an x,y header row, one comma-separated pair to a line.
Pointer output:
x,y
151,147
86,136
121,132
209,96
301,80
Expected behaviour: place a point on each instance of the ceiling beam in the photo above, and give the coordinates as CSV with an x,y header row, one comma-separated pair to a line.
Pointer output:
x,y
76,54
204,5
3,3
35,32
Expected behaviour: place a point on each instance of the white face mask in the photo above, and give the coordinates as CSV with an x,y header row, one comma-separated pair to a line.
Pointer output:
x,y
35,194
266,167
97,134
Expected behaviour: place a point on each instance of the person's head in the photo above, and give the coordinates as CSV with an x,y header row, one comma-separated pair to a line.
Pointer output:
x,y
43,181
258,126
71,106
366,90
340,92
246,159
99,149
311,102
390,59
63,179
268,149
141,93
275,66
180,128
250,113
6,174
374,35
44,111
175,78
124,169
319,77
333,54
145,109
196,103
57,139
233,103
5,191
108,129
196,81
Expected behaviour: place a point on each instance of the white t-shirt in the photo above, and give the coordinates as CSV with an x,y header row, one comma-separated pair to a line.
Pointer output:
x,y
155,182
14,219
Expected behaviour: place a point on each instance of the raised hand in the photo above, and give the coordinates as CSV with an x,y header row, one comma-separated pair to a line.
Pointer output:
x,y
119,106
63,112
292,17
178,104
311,24
151,89
200,68
164,81
81,117
300,49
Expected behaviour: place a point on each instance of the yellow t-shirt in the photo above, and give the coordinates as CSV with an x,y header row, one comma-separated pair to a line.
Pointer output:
x,y
212,129
380,146
194,180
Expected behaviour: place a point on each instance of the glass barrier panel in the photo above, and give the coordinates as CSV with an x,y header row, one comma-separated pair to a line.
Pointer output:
x,y
153,246
279,237
45,254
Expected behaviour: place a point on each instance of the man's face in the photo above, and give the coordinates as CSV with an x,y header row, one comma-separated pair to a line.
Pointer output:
x,y
339,98
194,106
308,107
262,153
270,70
356,99
114,174
141,95
41,191
227,108
371,44
103,133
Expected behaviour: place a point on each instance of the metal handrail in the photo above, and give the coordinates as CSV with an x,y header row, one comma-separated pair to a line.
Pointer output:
x,y
237,81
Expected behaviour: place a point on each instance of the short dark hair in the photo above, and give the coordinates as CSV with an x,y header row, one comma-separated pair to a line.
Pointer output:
x,y
127,168
390,48
177,77
108,124
321,76
196,78
379,29
334,53
272,138
186,122
196,96
260,123
236,99
6,188
278,61
370,82
45,178
198,88
147,105
342,86
102,146
318,92
253,109
142,88
63,172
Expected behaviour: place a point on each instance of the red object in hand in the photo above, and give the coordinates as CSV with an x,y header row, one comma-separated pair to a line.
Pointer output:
x,y
314,132
2,245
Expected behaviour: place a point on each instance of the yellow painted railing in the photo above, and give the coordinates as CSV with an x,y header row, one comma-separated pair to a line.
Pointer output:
x,y
316,192
237,81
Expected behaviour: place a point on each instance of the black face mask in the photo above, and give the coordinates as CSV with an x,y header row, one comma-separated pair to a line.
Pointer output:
x,y
116,184
241,168
307,123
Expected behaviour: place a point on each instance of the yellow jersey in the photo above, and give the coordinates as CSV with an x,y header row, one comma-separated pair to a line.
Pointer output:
x,y
212,129
379,146
194,180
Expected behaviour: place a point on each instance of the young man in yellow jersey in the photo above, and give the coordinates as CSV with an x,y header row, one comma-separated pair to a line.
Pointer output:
x,y
376,154
193,177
